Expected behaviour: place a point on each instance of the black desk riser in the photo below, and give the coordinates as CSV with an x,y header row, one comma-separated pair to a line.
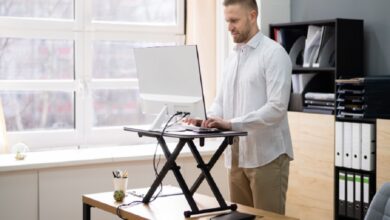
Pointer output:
x,y
187,137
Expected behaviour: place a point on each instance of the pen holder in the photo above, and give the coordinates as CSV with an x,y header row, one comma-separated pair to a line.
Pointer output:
x,y
120,184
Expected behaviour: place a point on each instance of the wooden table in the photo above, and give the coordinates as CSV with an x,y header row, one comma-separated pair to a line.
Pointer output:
x,y
171,207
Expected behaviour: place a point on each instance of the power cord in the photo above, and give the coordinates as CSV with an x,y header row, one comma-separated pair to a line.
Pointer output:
x,y
155,166
183,115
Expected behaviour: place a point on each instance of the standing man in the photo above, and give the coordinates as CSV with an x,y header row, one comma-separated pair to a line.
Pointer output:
x,y
253,97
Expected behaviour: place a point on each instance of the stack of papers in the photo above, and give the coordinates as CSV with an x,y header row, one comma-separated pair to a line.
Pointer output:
x,y
363,97
323,103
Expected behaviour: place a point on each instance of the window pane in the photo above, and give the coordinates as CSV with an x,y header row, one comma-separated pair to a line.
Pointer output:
x,y
36,59
117,108
26,111
115,59
59,9
135,11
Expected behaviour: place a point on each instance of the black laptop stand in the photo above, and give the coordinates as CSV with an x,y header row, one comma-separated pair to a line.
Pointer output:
x,y
187,138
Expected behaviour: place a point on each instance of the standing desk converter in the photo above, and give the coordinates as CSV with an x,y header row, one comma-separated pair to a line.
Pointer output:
x,y
187,138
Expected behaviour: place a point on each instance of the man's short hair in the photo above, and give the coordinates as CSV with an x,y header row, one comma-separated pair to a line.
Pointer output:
x,y
250,4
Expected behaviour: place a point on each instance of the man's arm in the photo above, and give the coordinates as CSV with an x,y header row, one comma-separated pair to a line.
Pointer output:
x,y
278,81
214,112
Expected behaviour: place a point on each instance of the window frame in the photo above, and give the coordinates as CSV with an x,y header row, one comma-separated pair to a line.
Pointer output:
x,y
106,135
83,31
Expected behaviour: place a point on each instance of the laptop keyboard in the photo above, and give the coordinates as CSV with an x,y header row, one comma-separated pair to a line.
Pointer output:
x,y
199,129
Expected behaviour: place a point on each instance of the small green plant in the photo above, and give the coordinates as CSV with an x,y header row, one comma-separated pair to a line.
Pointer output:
x,y
119,195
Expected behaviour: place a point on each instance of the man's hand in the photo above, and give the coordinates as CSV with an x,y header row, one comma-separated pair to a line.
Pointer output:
x,y
210,123
217,123
192,121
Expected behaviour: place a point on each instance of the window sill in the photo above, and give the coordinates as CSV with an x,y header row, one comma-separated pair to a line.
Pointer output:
x,y
65,158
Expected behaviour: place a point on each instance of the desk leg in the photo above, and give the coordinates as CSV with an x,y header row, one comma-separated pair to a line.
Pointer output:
x,y
176,171
211,164
86,212
206,172
168,165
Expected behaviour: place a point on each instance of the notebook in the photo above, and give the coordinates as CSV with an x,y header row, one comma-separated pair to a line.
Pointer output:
x,y
235,216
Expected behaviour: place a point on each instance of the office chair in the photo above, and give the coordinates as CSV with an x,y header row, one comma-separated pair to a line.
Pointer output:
x,y
380,205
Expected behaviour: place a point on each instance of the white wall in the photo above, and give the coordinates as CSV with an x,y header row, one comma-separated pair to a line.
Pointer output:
x,y
273,11
19,195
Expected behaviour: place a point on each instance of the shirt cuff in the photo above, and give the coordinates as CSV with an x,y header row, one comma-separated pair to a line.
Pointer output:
x,y
236,125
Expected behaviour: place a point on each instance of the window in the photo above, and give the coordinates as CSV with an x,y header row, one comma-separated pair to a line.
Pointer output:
x,y
67,71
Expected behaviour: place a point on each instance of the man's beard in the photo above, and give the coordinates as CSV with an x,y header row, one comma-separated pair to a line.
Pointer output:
x,y
243,36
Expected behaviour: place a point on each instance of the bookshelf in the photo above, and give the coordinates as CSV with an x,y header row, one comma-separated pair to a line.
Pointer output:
x,y
347,62
346,55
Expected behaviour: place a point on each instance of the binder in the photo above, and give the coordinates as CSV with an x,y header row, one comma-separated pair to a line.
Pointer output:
x,y
347,146
312,45
296,54
339,144
350,191
368,147
356,145
327,34
358,196
342,206
366,193
327,54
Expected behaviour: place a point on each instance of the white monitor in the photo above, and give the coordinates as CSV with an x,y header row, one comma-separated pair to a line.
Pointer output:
x,y
169,82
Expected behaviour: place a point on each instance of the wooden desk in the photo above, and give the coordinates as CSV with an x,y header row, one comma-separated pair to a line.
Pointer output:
x,y
171,208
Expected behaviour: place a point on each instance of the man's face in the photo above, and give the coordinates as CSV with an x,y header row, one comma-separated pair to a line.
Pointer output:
x,y
238,19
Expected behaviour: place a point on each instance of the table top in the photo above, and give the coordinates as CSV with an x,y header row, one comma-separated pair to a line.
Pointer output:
x,y
171,207
143,130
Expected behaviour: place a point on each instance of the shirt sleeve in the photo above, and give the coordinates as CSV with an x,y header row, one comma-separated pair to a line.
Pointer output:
x,y
278,82
215,109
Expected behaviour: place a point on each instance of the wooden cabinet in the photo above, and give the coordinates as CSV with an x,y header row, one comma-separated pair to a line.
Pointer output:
x,y
383,152
310,188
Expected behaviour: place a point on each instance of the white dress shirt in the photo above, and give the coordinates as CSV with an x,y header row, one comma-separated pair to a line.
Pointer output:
x,y
253,96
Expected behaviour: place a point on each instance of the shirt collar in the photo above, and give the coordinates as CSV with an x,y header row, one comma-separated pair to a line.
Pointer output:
x,y
253,42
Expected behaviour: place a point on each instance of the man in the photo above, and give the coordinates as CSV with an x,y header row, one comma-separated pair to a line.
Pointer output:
x,y
253,97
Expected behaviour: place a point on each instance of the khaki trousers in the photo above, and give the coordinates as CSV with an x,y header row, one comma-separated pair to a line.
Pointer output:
x,y
262,187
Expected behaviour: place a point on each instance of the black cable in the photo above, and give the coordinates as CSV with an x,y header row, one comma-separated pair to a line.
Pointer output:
x,y
155,167
183,115
128,204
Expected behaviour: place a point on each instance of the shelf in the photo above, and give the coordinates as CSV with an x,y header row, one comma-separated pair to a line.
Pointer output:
x,y
357,120
304,24
343,57
348,63
372,172
314,70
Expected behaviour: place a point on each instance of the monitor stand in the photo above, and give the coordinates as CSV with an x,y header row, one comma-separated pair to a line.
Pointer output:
x,y
161,118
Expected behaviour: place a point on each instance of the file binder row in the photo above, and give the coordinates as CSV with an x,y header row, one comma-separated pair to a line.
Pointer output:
x,y
355,145
354,194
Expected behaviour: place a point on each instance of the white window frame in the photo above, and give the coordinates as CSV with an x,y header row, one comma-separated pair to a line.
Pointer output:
x,y
114,135
83,31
